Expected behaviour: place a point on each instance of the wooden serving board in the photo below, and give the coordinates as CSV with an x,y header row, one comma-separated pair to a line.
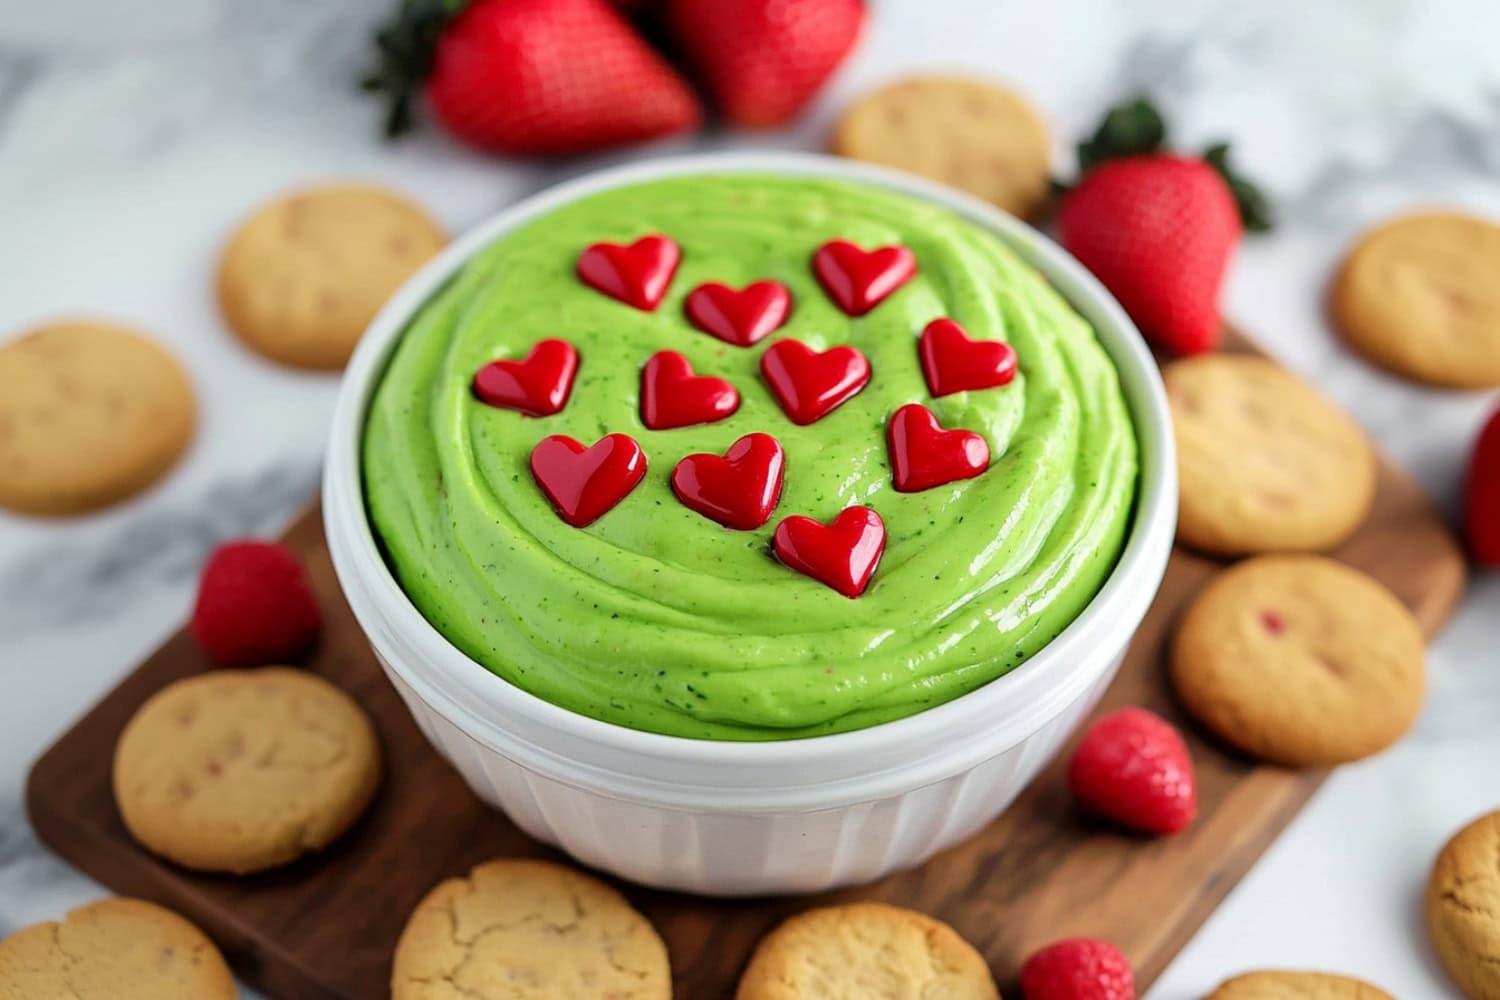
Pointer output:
x,y
326,926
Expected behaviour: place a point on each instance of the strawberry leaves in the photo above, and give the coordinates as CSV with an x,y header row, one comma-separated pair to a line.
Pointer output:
x,y
1136,128
404,47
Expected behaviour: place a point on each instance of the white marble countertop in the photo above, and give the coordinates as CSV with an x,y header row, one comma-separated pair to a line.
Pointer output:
x,y
133,135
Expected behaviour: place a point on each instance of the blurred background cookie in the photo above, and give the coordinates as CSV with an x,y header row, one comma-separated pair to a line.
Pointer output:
x,y
974,135
1463,908
302,277
865,951
1300,660
1264,463
90,413
241,770
1277,985
564,935
1418,296
114,949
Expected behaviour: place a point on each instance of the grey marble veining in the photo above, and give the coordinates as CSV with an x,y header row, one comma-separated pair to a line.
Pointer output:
x,y
133,135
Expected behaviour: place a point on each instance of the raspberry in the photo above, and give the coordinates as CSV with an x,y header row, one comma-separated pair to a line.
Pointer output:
x,y
1078,969
254,606
1133,768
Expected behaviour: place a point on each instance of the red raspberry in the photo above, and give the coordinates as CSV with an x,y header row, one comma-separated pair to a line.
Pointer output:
x,y
1132,767
254,606
1078,969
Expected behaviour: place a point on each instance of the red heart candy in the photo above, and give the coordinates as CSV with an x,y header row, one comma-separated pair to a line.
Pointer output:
x,y
954,363
923,455
859,280
672,396
738,490
741,317
842,555
537,385
637,275
809,384
583,483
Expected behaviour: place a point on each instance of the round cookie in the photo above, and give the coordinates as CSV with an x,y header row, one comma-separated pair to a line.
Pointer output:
x,y
1300,660
1418,296
1300,985
519,929
1463,908
303,277
89,415
865,951
1265,464
968,133
242,770
114,949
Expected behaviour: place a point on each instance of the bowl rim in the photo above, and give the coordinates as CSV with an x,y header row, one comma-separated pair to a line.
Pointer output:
x,y
372,590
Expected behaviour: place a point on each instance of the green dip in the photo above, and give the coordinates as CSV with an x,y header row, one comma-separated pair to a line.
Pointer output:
x,y
657,618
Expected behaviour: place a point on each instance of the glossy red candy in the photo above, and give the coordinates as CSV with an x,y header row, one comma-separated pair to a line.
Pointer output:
x,y
585,483
858,280
637,275
742,317
808,384
954,363
537,385
842,554
740,489
923,455
672,396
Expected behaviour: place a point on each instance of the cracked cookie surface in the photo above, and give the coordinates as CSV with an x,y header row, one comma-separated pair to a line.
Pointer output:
x,y
1279,985
242,770
1300,660
1418,297
865,951
113,949
1463,908
516,929
1265,463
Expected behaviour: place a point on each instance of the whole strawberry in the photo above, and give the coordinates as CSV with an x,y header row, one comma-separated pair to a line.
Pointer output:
x,y
1078,969
1133,768
763,60
537,77
255,606
1484,495
1158,229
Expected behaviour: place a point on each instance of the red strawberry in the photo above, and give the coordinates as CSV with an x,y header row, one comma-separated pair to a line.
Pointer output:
x,y
255,606
1133,767
1484,495
763,60
1158,229
1078,969
531,76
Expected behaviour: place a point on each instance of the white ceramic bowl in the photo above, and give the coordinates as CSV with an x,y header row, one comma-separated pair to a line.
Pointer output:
x,y
728,818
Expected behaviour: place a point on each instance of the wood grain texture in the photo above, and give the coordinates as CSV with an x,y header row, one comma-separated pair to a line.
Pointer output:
x,y
326,926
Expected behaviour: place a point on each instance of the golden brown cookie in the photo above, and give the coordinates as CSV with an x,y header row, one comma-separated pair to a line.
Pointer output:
x,y
1297,986
1265,463
113,949
89,414
528,930
865,951
1463,908
240,770
1300,660
969,133
302,277
1418,296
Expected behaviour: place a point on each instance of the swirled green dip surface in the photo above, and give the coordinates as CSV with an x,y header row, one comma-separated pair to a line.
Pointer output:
x,y
655,617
